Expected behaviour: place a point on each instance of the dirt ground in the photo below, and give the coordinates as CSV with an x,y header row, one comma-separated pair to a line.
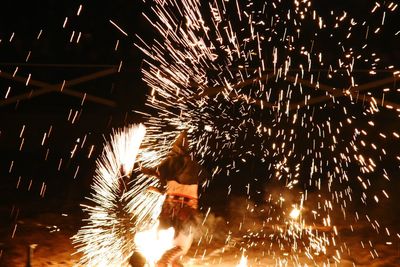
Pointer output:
x,y
50,233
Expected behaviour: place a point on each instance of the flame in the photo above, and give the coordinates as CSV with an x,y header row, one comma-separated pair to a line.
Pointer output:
x,y
153,243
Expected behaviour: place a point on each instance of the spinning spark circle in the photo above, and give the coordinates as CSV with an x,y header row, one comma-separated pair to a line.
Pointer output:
x,y
121,206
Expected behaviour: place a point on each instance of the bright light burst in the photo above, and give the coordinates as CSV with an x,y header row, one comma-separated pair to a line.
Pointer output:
x,y
152,243
279,81
119,207
295,213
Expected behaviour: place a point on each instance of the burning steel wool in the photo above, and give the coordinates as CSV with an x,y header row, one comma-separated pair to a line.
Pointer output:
x,y
122,209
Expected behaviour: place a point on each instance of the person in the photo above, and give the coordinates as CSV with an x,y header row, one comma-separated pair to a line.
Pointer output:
x,y
180,175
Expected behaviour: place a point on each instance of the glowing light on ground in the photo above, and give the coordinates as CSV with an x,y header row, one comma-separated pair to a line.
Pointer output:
x,y
153,243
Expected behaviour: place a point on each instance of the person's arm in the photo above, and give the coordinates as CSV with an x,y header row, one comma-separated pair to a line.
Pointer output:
x,y
162,171
169,168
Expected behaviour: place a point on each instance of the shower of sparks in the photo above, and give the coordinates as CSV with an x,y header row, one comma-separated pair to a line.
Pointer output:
x,y
295,86
276,81
119,206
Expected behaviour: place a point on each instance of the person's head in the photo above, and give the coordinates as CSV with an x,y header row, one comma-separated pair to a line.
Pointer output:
x,y
181,144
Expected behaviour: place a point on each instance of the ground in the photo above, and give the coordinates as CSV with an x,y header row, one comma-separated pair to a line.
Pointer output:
x,y
50,232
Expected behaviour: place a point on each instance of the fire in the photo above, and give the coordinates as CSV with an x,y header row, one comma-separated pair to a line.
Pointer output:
x,y
153,243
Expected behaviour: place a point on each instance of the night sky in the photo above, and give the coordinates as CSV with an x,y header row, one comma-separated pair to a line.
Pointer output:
x,y
54,59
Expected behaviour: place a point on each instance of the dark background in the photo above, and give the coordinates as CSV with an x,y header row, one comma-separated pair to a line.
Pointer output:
x,y
54,59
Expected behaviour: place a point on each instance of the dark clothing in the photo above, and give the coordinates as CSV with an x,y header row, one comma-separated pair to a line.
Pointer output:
x,y
178,165
182,169
180,176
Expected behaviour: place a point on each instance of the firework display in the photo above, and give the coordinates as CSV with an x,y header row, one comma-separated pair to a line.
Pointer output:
x,y
290,105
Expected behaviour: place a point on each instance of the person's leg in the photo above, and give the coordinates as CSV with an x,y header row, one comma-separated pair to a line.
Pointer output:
x,y
170,257
181,218
182,243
